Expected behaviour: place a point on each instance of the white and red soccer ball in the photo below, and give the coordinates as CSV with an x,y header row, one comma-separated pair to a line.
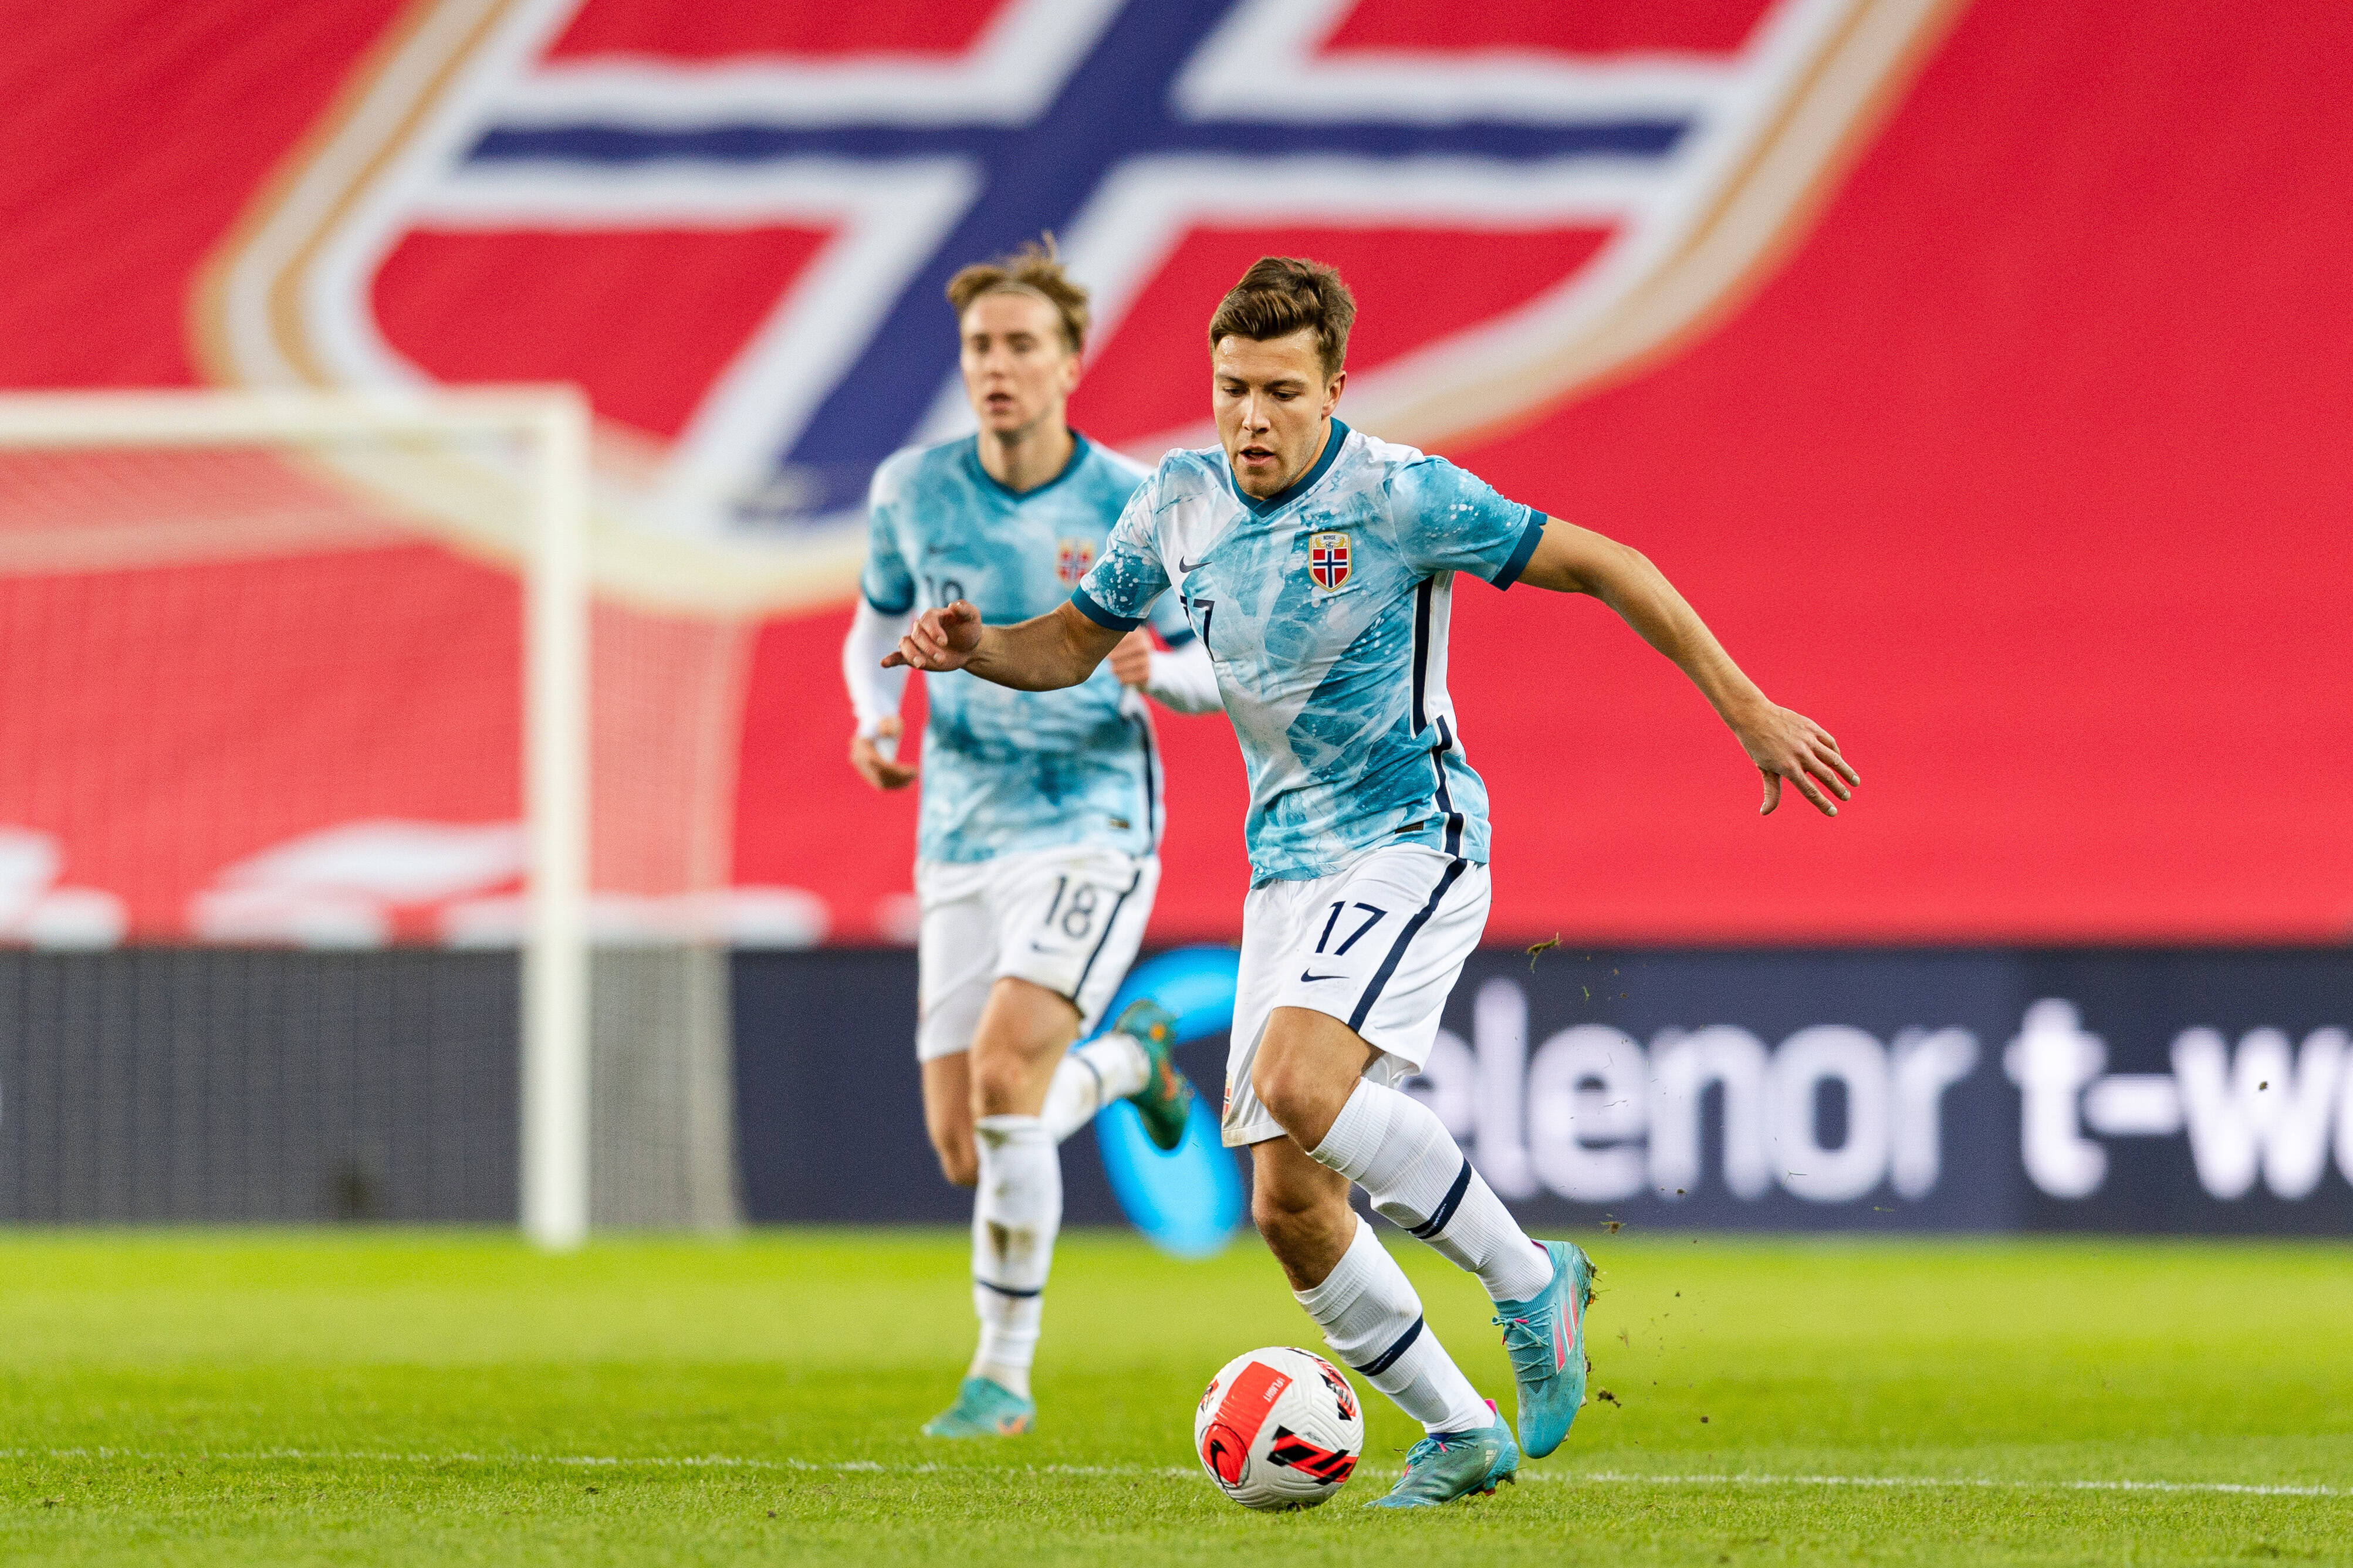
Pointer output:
x,y
1279,1428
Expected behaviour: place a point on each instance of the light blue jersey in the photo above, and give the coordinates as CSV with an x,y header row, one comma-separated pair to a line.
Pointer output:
x,y
1324,611
1007,771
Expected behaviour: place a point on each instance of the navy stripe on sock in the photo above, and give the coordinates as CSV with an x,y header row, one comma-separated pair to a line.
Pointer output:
x,y
1387,1358
1007,1289
1397,950
1445,1210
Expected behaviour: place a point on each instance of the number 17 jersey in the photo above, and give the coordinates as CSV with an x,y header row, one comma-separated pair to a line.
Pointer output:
x,y
1325,612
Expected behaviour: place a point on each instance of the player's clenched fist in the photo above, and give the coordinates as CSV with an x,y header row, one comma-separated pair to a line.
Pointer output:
x,y
876,757
940,639
1131,661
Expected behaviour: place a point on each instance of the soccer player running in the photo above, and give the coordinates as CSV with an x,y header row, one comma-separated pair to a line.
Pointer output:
x,y
1037,853
1317,564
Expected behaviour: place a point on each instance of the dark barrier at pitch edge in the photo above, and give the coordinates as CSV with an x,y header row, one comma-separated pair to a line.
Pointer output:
x,y
2129,1090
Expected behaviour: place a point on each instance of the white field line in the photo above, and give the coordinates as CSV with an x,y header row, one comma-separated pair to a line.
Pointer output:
x,y
1180,1472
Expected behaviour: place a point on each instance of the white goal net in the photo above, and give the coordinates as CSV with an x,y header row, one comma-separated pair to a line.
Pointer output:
x,y
359,858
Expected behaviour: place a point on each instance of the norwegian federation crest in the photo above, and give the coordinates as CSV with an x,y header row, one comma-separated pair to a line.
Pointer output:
x,y
1327,559
781,192
1072,558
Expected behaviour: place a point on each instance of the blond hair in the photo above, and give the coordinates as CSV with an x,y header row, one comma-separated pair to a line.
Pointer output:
x,y
1036,269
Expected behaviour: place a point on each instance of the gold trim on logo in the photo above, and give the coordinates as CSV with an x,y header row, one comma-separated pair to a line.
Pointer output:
x,y
1339,542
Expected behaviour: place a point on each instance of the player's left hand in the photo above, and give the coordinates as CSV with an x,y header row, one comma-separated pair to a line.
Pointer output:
x,y
1785,745
881,769
1132,660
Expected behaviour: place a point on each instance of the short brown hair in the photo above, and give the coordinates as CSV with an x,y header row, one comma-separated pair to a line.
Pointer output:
x,y
1280,295
1034,268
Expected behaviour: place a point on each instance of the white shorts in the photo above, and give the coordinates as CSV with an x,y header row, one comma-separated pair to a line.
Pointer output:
x,y
1069,918
1378,946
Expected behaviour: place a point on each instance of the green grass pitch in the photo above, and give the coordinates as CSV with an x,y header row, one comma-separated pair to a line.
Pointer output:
x,y
442,1397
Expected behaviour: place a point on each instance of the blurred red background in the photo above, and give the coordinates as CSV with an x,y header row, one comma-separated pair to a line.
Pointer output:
x,y
2026,473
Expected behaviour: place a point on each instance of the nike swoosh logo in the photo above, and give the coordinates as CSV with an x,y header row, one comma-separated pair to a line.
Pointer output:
x,y
1184,565
1306,978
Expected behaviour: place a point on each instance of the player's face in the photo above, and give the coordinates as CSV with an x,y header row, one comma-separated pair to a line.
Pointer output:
x,y
1272,404
1017,370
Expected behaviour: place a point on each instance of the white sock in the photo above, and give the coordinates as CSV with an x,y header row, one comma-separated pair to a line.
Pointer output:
x,y
1109,1068
1395,1148
1014,1213
1372,1319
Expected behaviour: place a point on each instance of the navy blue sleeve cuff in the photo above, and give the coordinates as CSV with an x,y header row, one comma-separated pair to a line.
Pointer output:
x,y
1521,551
883,609
1100,616
1179,638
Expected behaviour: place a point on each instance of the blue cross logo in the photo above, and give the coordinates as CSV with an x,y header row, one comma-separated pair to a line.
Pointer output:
x,y
1113,106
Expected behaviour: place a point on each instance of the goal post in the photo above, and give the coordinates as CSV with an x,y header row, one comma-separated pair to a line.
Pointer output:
x,y
554,1122
549,426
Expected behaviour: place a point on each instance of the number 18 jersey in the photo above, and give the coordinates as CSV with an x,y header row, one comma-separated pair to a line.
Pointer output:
x,y
1007,772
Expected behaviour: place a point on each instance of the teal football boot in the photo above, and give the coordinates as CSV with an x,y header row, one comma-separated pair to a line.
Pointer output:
x,y
1166,1100
984,1408
1449,1465
1546,1337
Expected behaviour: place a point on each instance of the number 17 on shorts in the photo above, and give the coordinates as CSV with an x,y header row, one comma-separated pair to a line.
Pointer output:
x,y
1378,946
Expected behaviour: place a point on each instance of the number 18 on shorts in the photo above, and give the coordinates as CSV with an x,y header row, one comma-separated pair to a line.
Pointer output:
x,y
1069,920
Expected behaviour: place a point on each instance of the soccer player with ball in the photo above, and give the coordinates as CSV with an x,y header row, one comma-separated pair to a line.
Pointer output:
x,y
1317,565
1036,855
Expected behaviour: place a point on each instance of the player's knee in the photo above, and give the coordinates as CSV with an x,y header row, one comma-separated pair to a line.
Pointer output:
x,y
1297,1098
958,1163
998,1081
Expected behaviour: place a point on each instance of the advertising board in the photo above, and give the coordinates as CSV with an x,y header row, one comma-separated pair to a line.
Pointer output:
x,y
2139,1091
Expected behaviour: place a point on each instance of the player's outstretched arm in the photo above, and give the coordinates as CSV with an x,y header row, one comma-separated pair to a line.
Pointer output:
x,y
1782,743
1059,648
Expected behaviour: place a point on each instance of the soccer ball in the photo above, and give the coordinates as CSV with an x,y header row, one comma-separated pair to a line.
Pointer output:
x,y
1279,1428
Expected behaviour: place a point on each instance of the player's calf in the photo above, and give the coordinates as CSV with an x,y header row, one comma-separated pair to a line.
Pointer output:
x,y
1017,1209
1396,1149
1347,1282
1302,1212
947,1116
